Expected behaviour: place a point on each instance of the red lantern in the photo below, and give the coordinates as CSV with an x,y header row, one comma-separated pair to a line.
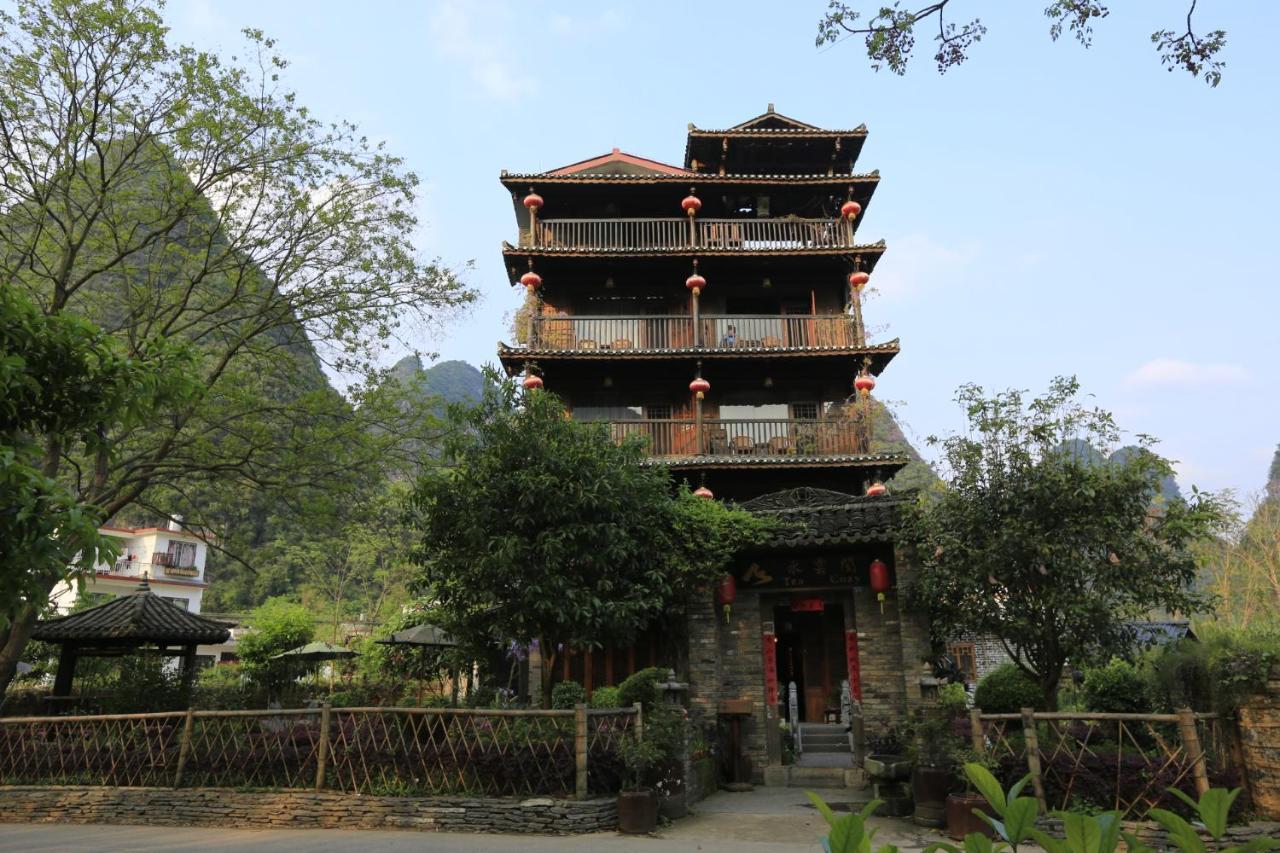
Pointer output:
x,y
865,383
703,492
695,283
876,489
531,280
726,594
879,580
700,387
858,280
532,381
533,201
691,205
850,210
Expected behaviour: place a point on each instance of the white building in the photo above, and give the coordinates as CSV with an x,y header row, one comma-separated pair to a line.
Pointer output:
x,y
172,560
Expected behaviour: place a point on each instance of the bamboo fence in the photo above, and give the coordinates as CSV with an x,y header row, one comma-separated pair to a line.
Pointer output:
x,y
1130,760
396,751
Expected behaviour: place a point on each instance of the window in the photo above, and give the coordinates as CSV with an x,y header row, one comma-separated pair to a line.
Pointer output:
x,y
182,554
608,413
181,602
966,658
658,413
804,411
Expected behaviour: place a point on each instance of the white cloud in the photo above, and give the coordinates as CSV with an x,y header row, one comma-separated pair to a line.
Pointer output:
x,y
607,21
486,57
915,263
1173,371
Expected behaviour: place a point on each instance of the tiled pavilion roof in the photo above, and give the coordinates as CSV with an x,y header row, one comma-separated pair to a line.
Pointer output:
x,y
823,517
142,617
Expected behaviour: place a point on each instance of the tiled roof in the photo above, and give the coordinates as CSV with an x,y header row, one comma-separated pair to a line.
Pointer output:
x,y
692,251
703,178
505,351
860,130
874,460
142,616
822,517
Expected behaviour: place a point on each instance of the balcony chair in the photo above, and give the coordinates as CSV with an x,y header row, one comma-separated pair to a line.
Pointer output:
x,y
587,343
742,445
780,445
622,343
771,342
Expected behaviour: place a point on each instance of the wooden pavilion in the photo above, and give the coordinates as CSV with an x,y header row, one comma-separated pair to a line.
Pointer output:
x,y
126,625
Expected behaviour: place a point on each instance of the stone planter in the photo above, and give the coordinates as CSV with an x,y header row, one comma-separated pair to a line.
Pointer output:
x,y
929,788
887,768
637,812
960,817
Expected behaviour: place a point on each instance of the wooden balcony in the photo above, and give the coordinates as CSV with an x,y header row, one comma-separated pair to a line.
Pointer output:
x,y
747,440
715,332
711,234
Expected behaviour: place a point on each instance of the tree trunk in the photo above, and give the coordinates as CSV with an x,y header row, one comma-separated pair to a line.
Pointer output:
x,y
1049,684
14,642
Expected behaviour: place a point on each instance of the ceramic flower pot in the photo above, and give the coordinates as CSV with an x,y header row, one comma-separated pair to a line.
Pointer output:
x,y
960,817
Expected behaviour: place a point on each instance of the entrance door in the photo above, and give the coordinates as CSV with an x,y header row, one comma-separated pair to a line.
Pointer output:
x,y
810,652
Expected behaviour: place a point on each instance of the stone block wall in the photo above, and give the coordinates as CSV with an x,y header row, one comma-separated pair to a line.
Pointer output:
x,y
302,810
1260,745
885,674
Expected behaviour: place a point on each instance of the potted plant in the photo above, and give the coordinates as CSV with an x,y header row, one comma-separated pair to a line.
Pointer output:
x,y
962,818
935,745
637,805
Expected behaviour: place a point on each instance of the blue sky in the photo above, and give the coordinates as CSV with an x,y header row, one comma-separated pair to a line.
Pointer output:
x,y
1048,210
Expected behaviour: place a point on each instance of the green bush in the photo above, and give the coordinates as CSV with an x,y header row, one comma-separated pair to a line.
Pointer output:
x,y
953,700
567,694
1118,688
1217,673
642,687
605,697
1007,690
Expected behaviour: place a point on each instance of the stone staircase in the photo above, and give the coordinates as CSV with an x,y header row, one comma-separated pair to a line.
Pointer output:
x,y
825,762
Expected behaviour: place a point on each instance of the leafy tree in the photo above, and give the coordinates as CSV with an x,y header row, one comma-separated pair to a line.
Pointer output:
x,y
1041,544
544,528
278,625
63,385
1244,571
889,33
169,194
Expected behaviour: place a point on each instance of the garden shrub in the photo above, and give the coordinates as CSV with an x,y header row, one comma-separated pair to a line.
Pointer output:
x,y
1118,688
605,697
1007,690
642,687
1217,673
567,694
953,700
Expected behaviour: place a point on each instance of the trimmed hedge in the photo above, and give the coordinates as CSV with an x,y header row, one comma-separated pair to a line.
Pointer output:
x,y
1007,690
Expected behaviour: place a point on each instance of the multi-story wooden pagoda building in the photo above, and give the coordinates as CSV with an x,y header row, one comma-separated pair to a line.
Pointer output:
x,y
715,308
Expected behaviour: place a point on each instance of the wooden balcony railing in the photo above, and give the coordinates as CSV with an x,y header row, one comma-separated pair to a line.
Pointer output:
x,y
736,438
712,332
733,234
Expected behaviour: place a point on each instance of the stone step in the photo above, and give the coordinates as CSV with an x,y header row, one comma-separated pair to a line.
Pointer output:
x,y
824,737
823,727
820,777
826,748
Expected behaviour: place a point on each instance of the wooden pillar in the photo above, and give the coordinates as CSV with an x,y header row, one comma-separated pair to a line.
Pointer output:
x,y
66,669
1033,756
696,311
188,670
184,746
1191,745
322,751
580,750
976,735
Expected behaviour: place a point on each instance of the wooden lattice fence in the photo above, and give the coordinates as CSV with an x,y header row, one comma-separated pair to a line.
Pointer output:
x,y
390,751
1125,762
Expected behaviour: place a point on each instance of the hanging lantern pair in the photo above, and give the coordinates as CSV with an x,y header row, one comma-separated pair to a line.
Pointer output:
x,y
879,577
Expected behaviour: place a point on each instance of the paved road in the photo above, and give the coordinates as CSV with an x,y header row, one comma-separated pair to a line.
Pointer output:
x,y
769,819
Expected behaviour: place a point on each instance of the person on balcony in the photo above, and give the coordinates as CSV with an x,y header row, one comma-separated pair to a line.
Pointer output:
x,y
730,338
